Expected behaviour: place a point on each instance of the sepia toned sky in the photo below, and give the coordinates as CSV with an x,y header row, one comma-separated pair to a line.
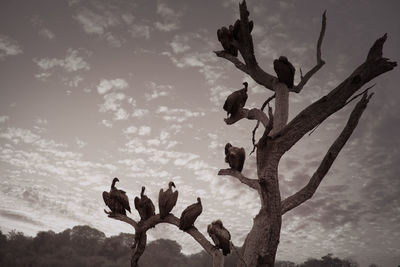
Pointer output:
x,y
91,90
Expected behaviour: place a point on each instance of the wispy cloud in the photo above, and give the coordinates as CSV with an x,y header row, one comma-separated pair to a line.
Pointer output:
x,y
8,47
178,114
107,85
170,18
157,90
72,62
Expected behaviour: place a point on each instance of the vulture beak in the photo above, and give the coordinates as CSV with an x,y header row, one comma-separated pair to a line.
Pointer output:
x,y
173,184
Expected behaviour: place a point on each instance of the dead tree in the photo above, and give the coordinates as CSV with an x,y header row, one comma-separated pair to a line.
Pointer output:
x,y
261,243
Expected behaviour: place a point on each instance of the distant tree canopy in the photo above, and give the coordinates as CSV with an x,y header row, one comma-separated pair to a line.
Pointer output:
x,y
86,246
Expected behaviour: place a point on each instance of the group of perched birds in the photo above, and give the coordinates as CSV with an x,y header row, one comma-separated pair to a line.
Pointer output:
x,y
118,202
236,101
227,36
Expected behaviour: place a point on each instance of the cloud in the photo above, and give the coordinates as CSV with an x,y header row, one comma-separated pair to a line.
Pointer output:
x,y
138,31
130,130
140,112
158,90
180,44
112,103
72,62
4,118
17,135
94,23
44,32
8,47
107,123
103,18
47,33
74,81
170,18
144,130
178,114
106,85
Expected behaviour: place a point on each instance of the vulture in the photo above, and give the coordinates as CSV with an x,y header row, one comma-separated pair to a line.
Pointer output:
x,y
144,206
116,199
235,157
220,236
190,214
225,38
236,101
167,200
376,50
236,29
285,71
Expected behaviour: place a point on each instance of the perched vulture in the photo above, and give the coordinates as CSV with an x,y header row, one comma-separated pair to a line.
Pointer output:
x,y
376,50
225,38
167,200
144,206
220,236
236,101
190,214
285,71
116,199
236,29
235,157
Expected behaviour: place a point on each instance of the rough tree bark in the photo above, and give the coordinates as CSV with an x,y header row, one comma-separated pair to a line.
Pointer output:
x,y
260,246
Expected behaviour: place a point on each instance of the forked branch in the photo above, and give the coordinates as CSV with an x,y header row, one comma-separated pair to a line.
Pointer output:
x,y
320,61
308,191
317,112
142,226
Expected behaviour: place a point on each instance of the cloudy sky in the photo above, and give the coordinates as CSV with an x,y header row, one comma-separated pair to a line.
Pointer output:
x,y
92,90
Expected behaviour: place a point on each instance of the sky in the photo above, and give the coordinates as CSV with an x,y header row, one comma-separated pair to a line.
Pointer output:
x,y
91,90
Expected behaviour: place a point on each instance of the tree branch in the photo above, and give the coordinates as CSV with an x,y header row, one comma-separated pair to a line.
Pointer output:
x,y
143,226
308,191
253,139
238,64
246,49
138,248
320,62
251,114
122,218
253,183
317,112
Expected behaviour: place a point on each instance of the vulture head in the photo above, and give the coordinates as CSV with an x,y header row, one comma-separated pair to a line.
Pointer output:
x,y
198,200
283,58
142,193
171,184
246,84
218,222
114,181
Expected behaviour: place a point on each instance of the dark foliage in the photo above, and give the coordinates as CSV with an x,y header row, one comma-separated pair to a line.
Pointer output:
x,y
86,246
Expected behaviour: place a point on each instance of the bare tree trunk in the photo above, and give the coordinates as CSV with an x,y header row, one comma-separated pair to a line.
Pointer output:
x,y
138,248
262,242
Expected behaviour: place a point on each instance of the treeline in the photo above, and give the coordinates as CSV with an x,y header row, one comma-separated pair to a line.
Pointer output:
x,y
85,246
